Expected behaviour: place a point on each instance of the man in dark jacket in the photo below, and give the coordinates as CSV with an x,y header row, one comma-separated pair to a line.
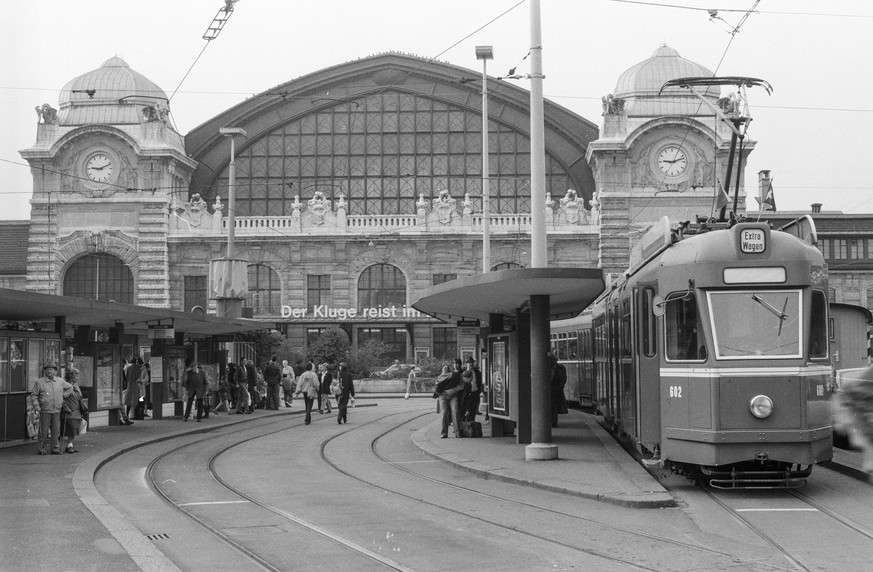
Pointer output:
x,y
273,377
252,382
324,380
347,391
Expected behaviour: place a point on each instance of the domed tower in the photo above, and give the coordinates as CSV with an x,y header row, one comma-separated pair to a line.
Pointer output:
x,y
660,153
106,166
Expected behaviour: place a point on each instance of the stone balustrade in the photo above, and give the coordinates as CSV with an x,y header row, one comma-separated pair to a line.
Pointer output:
x,y
324,217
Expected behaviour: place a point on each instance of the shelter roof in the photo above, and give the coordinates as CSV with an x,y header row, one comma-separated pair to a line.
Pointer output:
x,y
36,307
571,290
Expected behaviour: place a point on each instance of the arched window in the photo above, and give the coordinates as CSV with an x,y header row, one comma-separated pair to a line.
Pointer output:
x,y
507,266
265,290
381,285
380,153
99,277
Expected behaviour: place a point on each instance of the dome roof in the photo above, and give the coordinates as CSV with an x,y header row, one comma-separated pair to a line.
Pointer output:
x,y
112,94
639,86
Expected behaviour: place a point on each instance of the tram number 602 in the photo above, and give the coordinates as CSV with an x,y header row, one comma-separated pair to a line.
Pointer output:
x,y
675,391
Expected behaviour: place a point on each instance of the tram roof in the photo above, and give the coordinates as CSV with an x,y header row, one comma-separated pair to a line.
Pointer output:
x,y
571,290
36,307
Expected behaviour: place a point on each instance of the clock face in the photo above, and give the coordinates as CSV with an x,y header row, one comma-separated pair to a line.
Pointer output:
x,y
672,161
99,167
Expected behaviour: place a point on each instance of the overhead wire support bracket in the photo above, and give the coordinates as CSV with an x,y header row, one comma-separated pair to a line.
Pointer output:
x,y
220,20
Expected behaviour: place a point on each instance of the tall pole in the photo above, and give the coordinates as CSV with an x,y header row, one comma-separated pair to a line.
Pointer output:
x,y
541,447
485,53
231,199
229,275
539,255
231,132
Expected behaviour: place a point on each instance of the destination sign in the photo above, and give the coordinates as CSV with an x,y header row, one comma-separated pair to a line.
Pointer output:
x,y
752,240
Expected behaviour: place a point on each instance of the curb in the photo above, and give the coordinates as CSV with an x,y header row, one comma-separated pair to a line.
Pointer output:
x,y
656,497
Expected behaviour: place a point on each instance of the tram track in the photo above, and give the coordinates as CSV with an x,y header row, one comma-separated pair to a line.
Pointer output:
x,y
228,539
768,533
710,552
265,429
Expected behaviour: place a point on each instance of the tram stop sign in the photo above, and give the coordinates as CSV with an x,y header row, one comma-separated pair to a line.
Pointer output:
x,y
468,327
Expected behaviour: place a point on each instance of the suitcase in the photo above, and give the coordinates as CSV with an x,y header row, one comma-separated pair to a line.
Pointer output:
x,y
471,429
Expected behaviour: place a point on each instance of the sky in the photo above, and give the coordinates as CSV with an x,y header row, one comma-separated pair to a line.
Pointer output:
x,y
813,133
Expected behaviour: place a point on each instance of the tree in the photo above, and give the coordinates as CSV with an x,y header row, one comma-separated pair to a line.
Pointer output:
x,y
332,346
369,353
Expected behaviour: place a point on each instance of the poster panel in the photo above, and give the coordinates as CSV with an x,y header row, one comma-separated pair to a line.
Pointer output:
x,y
108,378
499,354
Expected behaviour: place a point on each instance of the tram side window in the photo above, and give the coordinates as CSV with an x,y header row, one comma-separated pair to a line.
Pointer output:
x,y
684,338
818,331
647,329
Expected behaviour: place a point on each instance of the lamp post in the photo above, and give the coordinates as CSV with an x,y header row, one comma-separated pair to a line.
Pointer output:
x,y
485,53
229,276
231,132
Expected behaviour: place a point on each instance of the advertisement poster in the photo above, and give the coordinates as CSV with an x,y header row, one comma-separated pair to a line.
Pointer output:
x,y
499,376
85,365
107,379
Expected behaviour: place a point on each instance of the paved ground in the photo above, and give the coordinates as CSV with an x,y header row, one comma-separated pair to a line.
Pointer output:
x,y
51,515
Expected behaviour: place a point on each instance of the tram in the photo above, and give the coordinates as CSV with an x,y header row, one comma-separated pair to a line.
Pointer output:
x,y
573,345
710,353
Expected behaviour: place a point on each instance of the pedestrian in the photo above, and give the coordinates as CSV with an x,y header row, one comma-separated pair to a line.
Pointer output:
x,y
223,394
130,396
192,382
410,381
324,380
273,377
289,380
556,386
232,386
50,392
307,384
243,399
204,390
71,410
470,406
447,390
346,392
147,384
252,384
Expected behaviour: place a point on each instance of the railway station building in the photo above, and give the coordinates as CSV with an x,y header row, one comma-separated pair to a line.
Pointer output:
x,y
356,188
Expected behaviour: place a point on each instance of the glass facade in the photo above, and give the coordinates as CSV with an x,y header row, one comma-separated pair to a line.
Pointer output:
x,y
381,152
195,293
99,277
382,285
265,290
318,290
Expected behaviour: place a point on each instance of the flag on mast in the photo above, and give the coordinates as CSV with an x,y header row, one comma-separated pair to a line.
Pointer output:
x,y
722,199
768,202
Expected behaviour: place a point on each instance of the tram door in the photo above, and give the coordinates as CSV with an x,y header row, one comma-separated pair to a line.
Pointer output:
x,y
647,366
626,366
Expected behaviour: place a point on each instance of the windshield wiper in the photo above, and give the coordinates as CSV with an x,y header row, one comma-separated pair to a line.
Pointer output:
x,y
779,314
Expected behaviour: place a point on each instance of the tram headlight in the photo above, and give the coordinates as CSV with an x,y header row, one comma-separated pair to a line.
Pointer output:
x,y
761,406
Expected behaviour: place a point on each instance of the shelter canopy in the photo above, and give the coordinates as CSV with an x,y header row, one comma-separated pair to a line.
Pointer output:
x,y
571,290
36,307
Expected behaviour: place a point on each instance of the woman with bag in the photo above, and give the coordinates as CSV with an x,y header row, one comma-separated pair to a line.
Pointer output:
x,y
308,384
447,390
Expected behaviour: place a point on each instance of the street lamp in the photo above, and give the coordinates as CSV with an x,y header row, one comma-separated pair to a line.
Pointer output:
x,y
485,53
229,275
231,132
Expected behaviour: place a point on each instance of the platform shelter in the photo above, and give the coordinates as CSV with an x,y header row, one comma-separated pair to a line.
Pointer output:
x,y
515,307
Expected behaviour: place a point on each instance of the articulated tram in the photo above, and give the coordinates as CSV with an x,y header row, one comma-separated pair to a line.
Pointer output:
x,y
711,352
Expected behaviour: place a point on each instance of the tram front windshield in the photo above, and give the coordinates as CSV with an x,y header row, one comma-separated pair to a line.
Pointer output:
x,y
756,323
